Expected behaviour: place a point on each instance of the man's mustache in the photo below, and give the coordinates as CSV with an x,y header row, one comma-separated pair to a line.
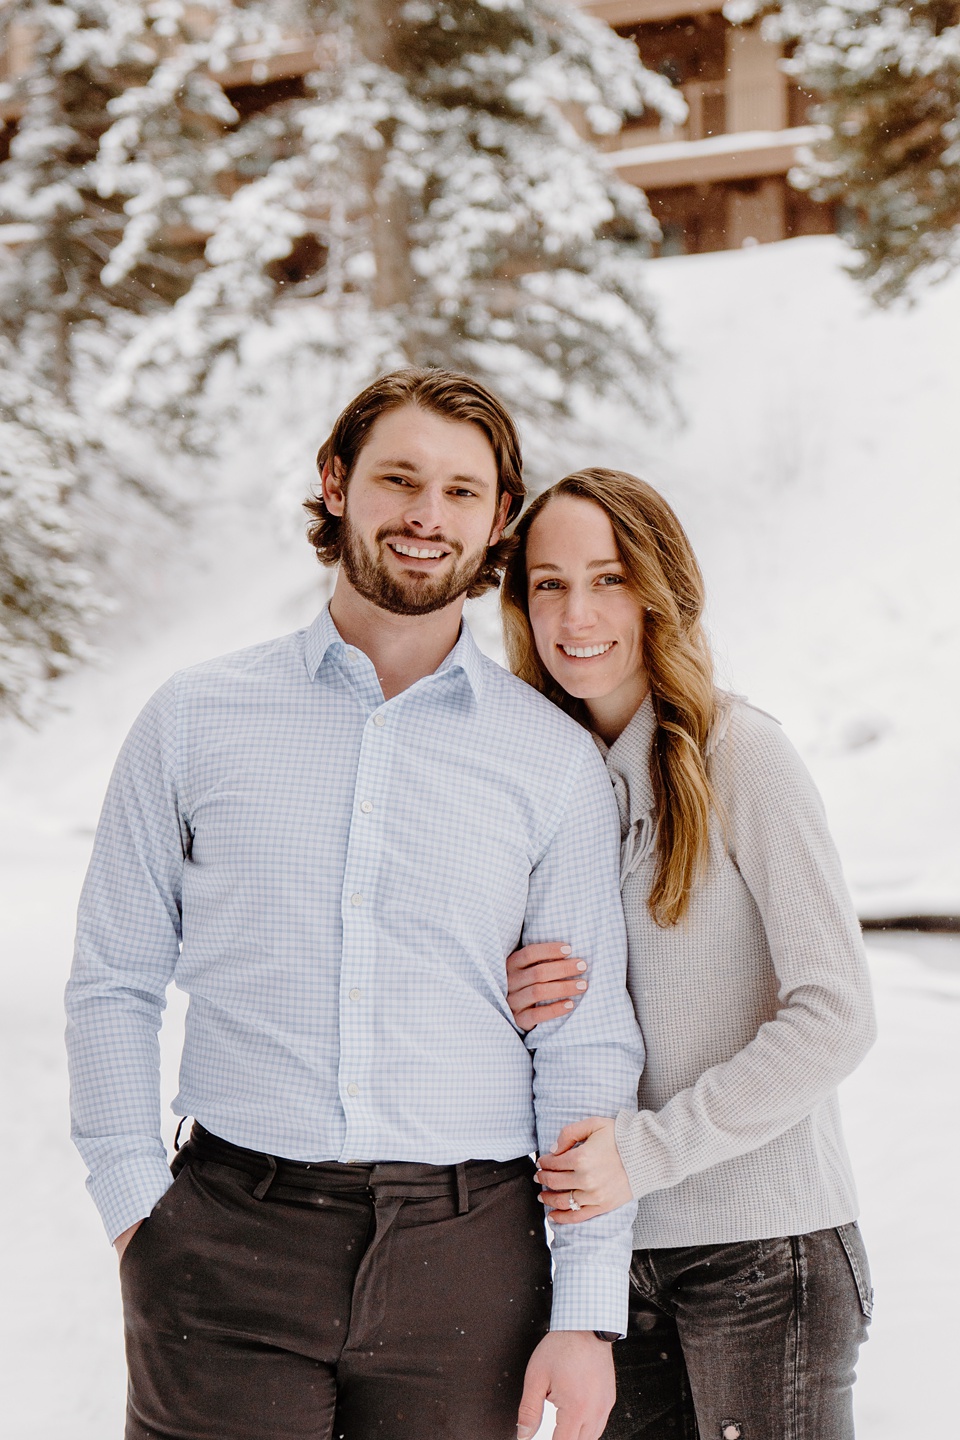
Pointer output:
x,y
406,537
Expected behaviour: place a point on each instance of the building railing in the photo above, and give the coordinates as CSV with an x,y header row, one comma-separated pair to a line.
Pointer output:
x,y
715,107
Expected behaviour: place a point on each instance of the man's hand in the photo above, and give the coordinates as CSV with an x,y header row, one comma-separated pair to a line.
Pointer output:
x,y
584,1163
574,1371
124,1238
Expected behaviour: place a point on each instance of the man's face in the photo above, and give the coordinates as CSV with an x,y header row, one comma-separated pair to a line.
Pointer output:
x,y
419,511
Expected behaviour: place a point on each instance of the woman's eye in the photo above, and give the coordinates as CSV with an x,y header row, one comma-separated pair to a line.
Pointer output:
x,y
547,585
611,579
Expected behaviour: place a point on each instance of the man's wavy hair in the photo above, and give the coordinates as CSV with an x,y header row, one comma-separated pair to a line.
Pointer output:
x,y
446,393
663,573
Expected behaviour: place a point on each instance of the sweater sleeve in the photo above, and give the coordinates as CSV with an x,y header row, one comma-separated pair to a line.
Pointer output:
x,y
778,839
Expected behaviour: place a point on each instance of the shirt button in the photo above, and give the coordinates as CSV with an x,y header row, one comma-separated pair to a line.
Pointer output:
x,y
354,993
353,1089
366,806
379,719
356,899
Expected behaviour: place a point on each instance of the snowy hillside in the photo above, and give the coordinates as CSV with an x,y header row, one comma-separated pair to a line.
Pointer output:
x,y
820,478
818,474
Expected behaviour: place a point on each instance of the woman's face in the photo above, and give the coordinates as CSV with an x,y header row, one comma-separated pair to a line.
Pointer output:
x,y
587,621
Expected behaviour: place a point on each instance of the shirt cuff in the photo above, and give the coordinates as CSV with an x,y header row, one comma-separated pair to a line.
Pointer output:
x,y
127,1192
590,1297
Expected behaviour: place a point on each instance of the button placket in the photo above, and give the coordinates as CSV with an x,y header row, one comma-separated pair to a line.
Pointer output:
x,y
358,910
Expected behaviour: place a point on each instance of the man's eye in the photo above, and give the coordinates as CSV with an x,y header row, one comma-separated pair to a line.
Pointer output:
x,y
465,494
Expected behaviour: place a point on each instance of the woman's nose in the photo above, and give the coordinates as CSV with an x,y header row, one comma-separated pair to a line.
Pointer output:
x,y
579,610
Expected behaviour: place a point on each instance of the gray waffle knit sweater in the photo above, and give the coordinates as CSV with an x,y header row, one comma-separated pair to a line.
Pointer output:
x,y
753,1008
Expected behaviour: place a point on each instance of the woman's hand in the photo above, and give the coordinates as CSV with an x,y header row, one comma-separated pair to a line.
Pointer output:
x,y
584,1164
543,981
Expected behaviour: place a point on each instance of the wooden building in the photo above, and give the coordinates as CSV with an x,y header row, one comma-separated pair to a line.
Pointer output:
x,y
715,183
719,181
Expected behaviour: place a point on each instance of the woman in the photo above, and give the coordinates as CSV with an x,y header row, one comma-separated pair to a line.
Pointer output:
x,y
750,1291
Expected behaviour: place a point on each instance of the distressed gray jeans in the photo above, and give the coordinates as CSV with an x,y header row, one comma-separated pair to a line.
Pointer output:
x,y
755,1340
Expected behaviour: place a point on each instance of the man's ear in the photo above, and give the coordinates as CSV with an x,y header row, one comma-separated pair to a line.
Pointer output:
x,y
331,486
500,523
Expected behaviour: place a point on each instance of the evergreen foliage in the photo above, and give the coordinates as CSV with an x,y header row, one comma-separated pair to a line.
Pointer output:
x,y
47,600
888,75
432,194
96,239
428,192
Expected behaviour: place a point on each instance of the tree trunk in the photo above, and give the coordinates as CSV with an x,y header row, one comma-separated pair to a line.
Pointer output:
x,y
390,210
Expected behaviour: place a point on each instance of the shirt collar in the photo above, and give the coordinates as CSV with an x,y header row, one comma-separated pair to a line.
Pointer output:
x,y
323,636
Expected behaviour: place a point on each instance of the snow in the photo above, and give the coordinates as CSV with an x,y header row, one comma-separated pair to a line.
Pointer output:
x,y
733,144
817,474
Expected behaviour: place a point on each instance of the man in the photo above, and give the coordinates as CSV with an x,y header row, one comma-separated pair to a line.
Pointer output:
x,y
331,842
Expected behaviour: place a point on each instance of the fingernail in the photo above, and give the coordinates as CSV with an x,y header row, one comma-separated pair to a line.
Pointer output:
x,y
565,949
524,1432
581,984
581,964
568,1004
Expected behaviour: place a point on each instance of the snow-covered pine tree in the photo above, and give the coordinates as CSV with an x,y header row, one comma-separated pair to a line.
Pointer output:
x,y
441,181
888,76
91,248
89,258
48,602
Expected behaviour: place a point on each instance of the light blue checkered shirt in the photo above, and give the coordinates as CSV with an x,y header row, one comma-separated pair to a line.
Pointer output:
x,y
336,880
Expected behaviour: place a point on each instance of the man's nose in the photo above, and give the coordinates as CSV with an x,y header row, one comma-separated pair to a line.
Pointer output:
x,y
424,512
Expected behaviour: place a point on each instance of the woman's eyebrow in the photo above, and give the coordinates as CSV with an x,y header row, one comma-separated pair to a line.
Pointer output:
x,y
593,565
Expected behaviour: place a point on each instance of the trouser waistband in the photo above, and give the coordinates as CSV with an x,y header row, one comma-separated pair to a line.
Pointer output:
x,y
396,1179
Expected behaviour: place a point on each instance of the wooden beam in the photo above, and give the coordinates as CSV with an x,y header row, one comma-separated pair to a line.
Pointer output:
x,y
645,12
722,157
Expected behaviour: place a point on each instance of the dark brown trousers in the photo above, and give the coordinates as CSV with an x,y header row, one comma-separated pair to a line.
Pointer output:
x,y
267,1300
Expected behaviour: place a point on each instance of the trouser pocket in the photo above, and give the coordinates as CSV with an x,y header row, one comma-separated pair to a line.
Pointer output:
x,y
852,1242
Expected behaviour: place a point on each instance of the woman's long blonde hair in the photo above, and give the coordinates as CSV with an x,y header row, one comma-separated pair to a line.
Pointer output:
x,y
663,572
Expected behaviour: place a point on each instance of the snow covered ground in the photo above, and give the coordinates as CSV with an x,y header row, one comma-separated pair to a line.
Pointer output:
x,y
818,476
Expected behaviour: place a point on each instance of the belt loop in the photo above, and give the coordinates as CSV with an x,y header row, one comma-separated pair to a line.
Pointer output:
x,y
463,1194
268,1179
176,1138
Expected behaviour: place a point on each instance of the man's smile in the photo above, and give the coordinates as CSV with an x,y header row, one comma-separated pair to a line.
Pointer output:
x,y
417,552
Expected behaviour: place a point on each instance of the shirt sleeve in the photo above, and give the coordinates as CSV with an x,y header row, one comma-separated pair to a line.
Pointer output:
x,y
777,836
589,1062
127,946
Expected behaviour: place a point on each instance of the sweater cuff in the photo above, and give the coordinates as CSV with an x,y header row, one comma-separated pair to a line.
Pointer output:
x,y
628,1134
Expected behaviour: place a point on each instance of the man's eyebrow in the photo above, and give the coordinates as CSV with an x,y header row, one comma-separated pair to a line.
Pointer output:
x,y
412,468
410,465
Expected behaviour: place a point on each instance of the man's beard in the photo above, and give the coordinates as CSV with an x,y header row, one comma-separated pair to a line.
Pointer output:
x,y
411,594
